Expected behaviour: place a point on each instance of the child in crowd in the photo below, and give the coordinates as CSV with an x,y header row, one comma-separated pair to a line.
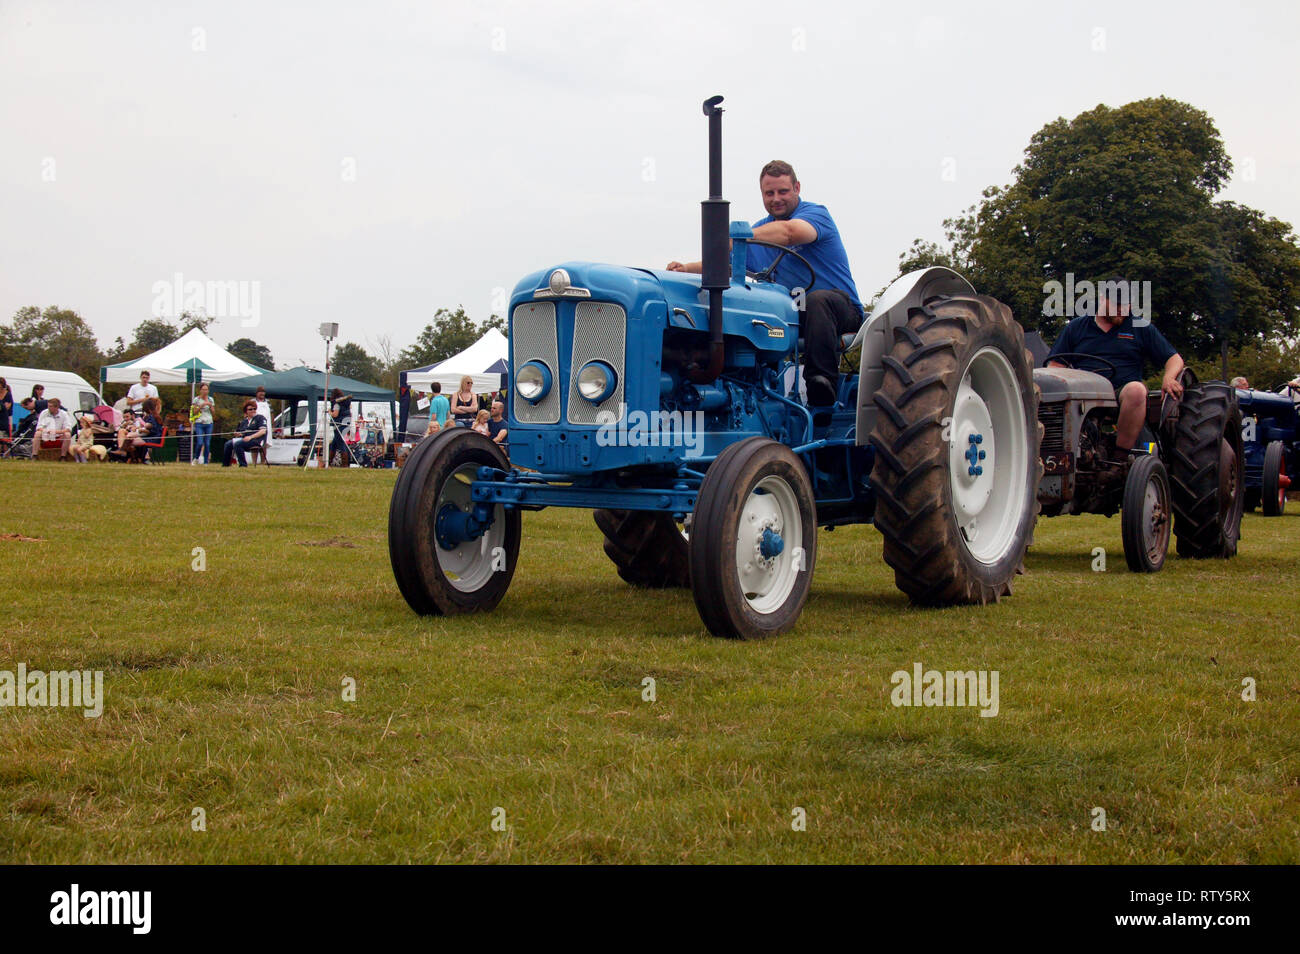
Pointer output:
x,y
83,442
481,423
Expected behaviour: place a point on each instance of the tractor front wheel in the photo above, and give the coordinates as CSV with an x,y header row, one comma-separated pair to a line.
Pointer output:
x,y
1145,517
1276,481
753,540
449,553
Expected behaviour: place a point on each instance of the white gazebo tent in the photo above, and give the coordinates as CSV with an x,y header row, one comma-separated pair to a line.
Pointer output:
x,y
485,361
191,358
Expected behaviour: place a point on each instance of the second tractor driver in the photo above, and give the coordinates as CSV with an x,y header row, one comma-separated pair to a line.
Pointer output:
x,y
1111,334
833,307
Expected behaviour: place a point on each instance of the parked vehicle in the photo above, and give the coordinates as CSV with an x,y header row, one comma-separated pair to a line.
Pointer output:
x,y
72,390
1271,436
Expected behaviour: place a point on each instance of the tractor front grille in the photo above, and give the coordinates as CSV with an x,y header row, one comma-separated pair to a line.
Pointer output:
x,y
533,338
599,334
1052,417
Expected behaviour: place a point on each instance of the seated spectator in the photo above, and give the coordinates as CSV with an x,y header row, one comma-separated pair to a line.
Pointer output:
x,y
434,427
251,433
83,442
148,429
38,395
126,432
23,426
481,423
497,424
55,424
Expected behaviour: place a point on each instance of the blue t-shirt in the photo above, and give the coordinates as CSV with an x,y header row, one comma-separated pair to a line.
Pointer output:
x,y
1124,346
440,407
826,255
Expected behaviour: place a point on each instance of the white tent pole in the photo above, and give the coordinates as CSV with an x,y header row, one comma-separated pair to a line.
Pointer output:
x,y
325,451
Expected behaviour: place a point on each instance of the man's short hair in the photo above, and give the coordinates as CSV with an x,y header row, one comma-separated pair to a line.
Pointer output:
x,y
777,168
144,374
437,388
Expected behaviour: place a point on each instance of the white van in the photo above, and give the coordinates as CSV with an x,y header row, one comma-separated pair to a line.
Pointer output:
x,y
73,392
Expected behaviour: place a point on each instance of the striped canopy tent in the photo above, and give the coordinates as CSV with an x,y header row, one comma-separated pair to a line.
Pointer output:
x,y
191,358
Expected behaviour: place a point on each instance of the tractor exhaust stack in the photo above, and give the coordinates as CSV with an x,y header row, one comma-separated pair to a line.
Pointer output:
x,y
715,271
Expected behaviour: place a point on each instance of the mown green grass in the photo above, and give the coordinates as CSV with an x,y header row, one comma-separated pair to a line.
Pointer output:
x,y
223,691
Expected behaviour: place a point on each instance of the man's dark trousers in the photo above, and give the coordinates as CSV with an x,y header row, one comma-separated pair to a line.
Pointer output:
x,y
828,314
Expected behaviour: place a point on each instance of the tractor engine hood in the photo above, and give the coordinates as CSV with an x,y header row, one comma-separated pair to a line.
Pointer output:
x,y
1059,384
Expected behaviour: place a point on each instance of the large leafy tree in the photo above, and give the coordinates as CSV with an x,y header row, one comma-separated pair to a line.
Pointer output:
x,y
252,352
353,361
1130,191
449,333
56,339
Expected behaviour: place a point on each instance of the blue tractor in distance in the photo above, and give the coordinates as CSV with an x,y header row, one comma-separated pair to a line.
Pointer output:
x,y
1270,430
671,405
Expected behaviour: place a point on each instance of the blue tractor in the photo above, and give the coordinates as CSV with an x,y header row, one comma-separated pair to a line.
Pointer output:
x,y
671,405
1270,430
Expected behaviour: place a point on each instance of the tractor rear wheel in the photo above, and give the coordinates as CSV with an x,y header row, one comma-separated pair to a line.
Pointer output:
x,y
446,560
647,548
1276,481
753,540
956,439
1145,516
1206,472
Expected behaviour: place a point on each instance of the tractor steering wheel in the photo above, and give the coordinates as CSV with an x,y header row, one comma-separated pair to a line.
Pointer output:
x,y
1065,356
782,251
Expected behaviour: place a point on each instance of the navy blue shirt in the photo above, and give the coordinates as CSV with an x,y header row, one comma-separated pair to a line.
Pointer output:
x,y
826,255
1125,346
496,427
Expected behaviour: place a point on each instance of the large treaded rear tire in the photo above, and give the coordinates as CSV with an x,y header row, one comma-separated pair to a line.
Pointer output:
x,y
917,472
1206,476
645,547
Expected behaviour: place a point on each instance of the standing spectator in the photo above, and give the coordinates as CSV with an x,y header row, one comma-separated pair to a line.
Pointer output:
x,y
38,395
439,407
201,416
6,407
464,403
54,424
251,431
83,442
340,421
140,393
264,409
497,423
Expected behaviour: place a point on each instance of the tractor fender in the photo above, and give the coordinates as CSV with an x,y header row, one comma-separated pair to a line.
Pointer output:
x,y
876,336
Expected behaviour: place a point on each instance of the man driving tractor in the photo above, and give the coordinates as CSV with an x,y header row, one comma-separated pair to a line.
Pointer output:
x,y
1112,336
832,308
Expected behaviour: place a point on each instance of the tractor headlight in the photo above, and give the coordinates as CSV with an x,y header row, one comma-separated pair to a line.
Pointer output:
x,y
596,381
533,381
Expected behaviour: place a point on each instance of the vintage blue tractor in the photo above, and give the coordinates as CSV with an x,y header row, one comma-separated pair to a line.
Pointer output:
x,y
1270,432
670,404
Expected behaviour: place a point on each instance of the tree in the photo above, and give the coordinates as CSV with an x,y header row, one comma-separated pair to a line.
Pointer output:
x,y
56,339
255,354
450,332
150,335
353,361
1130,191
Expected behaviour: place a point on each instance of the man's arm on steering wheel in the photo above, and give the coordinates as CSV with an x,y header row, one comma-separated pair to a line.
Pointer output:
x,y
786,232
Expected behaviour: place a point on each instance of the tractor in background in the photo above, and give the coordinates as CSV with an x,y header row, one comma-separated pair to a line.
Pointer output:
x,y
669,404
1189,484
1271,434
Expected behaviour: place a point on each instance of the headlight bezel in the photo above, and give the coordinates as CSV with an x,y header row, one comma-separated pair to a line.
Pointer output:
x,y
544,380
605,386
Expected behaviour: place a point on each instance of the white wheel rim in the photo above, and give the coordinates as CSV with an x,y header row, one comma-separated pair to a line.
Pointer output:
x,y
987,459
471,564
767,579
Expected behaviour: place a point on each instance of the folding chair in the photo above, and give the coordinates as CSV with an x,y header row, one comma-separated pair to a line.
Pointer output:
x,y
140,452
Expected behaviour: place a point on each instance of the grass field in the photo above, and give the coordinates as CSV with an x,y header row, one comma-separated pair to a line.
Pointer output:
x,y
224,691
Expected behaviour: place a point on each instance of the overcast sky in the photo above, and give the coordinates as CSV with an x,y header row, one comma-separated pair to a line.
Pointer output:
x,y
367,163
